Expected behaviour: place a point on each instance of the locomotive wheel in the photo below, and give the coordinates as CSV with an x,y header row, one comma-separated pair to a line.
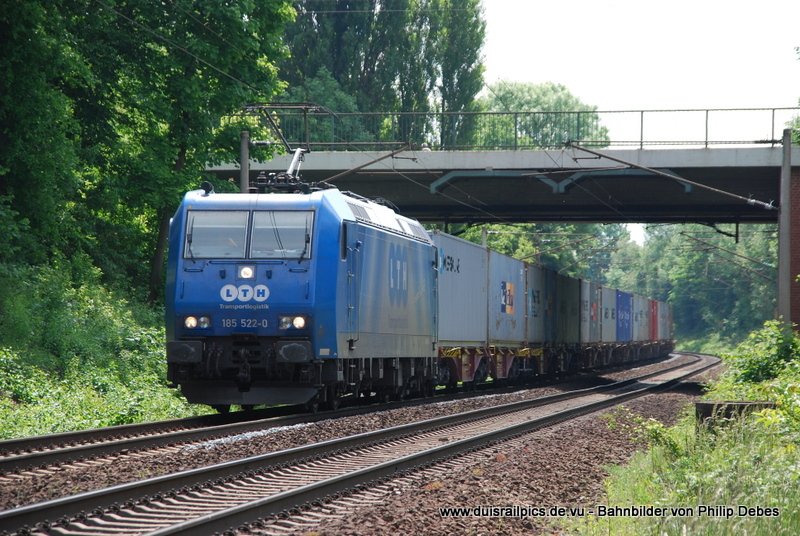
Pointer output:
x,y
224,409
332,401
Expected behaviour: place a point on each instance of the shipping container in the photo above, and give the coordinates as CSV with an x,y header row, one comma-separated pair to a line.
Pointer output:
x,y
608,317
664,324
506,301
536,305
549,305
568,293
591,300
463,291
641,318
653,313
624,309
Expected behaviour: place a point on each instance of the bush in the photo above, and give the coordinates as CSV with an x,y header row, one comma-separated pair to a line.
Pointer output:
x,y
75,355
764,354
752,461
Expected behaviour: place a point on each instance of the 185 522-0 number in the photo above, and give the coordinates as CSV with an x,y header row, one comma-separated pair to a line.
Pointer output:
x,y
244,323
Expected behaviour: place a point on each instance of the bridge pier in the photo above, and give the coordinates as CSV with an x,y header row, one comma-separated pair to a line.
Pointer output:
x,y
794,248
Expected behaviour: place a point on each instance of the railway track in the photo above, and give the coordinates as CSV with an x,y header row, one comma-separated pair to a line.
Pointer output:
x,y
218,497
41,452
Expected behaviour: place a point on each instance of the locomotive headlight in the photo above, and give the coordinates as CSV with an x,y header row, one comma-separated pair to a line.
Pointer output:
x,y
247,272
192,322
296,322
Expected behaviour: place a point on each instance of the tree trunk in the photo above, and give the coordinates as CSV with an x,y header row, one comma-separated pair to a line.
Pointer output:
x,y
157,260
160,252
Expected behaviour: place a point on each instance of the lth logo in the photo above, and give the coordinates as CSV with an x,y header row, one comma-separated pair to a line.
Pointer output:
x,y
244,293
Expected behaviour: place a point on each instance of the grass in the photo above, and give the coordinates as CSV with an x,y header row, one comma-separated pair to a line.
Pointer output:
x,y
76,355
738,476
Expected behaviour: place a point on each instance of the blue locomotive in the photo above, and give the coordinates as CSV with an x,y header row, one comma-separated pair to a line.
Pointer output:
x,y
297,297
305,295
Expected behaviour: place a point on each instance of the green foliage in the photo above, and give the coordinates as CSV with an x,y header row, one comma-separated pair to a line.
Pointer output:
x,y
764,354
577,250
418,56
109,113
75,355
744,463
552,116
324,90
715,285
751,460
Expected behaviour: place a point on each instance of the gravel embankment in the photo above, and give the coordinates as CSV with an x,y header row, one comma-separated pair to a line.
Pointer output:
x,y
559,466
29,488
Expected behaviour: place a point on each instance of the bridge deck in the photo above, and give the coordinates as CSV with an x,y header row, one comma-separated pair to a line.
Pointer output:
x,y
555,185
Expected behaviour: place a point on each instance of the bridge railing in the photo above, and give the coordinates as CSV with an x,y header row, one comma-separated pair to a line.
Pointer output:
x,y
537,130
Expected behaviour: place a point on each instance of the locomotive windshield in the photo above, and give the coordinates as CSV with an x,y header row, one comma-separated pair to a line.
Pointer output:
x,y
214,234
281,234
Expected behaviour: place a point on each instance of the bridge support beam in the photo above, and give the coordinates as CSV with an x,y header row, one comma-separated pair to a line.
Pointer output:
x,y
789,236
794,248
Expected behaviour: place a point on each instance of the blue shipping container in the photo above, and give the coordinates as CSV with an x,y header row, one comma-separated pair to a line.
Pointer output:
x,y
624,313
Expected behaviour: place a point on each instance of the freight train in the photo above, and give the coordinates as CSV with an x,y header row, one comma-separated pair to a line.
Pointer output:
x,y
305,296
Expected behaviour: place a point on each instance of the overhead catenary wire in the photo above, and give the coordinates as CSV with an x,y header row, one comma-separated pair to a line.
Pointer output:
x,y
179,47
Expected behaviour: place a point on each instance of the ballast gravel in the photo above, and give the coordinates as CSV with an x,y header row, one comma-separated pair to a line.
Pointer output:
x,y
560,466
36,486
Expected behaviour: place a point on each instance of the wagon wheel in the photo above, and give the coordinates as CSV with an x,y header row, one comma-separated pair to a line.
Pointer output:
x,y
312,406
513,371
482,372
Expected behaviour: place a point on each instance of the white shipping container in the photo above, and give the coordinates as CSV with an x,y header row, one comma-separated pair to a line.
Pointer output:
x,y
506,300
641,318
591,301
463,292
536,304
664,324
608,315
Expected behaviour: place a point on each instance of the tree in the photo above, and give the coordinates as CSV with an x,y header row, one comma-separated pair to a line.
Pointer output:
x,y
459,40
38,132
393,55
110,111
714,283
549,115
576,250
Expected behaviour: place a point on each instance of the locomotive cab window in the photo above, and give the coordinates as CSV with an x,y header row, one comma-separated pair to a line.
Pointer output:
x,y
215,234
281,234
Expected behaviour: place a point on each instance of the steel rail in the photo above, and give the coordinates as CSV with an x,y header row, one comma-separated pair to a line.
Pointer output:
x,y
227,519
47,450
53,510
